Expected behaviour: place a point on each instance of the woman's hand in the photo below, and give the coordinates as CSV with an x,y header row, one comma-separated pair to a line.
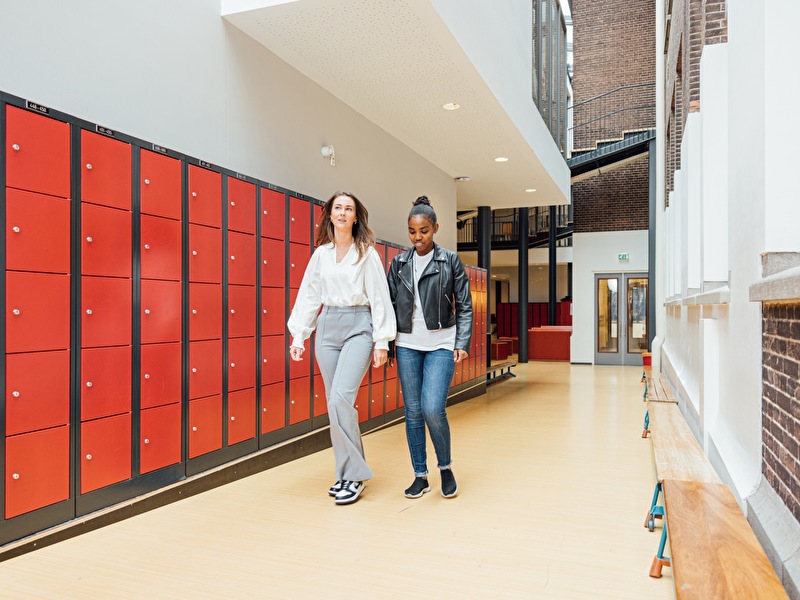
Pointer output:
x,y
459,355
379,357
296,353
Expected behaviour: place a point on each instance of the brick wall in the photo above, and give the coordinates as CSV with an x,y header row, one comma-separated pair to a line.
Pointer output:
x,y
781,401
613,201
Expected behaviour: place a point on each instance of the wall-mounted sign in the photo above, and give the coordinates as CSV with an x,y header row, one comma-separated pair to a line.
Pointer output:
x,y
623,256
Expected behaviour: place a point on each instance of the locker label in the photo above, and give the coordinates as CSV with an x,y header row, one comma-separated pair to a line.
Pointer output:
x,y
159,149
37,107
105,131
203,163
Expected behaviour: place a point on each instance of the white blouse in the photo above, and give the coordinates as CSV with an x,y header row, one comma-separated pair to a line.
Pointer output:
x,y
348,283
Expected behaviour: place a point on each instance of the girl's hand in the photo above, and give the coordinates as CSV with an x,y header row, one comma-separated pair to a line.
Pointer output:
x,y
459,355
296,353
379,357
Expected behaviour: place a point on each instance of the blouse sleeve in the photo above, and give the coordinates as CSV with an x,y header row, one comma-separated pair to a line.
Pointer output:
x,y
304,315
384,327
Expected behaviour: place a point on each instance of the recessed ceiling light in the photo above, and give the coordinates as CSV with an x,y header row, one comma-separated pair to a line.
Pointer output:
x,y
531,190
462,178
500,159
451,106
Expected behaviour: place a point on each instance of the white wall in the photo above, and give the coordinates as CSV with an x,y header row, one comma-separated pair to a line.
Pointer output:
x,y
175,73
598,253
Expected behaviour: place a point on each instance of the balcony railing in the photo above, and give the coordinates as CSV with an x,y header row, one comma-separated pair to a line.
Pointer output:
x,y
505,228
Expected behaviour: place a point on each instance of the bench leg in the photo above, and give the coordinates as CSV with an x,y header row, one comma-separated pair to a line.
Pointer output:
x,y
644,396
660,561
646,424
656,511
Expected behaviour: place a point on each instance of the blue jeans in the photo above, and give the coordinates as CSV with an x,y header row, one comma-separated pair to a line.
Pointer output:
x,y
425,378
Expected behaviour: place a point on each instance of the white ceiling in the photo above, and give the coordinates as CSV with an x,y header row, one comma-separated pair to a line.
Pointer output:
x,y
395,62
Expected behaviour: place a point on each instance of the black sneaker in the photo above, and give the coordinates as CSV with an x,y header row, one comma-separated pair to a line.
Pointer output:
x,y
419,487
336,488
449,485
350,492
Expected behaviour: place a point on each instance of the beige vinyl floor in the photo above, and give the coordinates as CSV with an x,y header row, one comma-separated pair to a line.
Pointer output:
x,y
554,482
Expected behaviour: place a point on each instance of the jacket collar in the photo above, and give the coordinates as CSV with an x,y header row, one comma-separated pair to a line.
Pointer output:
x,y
438,254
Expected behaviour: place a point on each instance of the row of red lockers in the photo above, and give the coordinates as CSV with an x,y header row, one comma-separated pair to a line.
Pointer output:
x,y
39,172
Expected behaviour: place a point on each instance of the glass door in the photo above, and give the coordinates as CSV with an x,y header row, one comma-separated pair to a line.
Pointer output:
x,y
620,318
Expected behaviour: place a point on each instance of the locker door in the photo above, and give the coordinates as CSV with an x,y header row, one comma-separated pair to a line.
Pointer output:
x,y
273,263
37,312
273,311
105,452
205,425
273,359
317,219
376,395
273,214
106,171
205,368
160,374
37,153
241,206
241,363
320,402
161,248
105,382
37,470
241,416
205,197
299,400
391,394
160,185
205,254
37,232
160,437
205,311
299,221
241,311
105,312
37,391
242,266
273,407
161,311
105,241
298,260
362,403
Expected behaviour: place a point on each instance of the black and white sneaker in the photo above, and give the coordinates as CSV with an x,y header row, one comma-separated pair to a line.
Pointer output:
x,y
336,488
350,492
419,487
449,485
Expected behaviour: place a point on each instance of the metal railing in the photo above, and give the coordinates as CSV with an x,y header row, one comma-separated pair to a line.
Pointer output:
x,y
505,227
610,116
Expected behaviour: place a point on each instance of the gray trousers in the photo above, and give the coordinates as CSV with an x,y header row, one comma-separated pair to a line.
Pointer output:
x,y
344,352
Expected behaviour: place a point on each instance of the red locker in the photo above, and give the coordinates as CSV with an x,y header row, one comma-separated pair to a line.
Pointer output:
x,y
37,232
205,425
37,153
273,311
160,311
241,416
205,254
241,363
299,400
242,266
205,368
320,401
362,403
106,171
301,368
160,437
273,407
241,206
273,359
37,312
299,221
37,391
376,394
205,311
105,452
105,382
273,263
37,470
241,311
273,214
105,311
299,257
391,394
160,374
317,218
160,185
105,241
205,197
161,248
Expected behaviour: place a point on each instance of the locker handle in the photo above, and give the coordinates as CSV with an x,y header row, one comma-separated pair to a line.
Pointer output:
x,y
147,311
194,370
292,219
194,428
15,394
194,311
88,457
265,361
233,258
15,476
233,365
265,261
88,311
89,239
233,311
233,418
194,252
88,384
263,410
265,212
89,166
233,203
147,182
147,246
147,375
146,440
15,229
194,194
15,311
15,146
265,311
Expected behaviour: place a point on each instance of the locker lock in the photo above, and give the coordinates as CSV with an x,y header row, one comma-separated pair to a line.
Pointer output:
x,y
194,311
88,311
147,375
233,364
233,312
15,229
147,182
88,457
15,311
89,239
147,246
15,476
194,428
263,410
15,394
194,194
233,203
147,311
265,361
194,370
88,384
265,212
265,261
194,252
265,311
233,258
89,166
15,146
233,418
146,441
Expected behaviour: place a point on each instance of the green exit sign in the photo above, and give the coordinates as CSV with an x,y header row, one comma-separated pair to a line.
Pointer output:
x,y
623,256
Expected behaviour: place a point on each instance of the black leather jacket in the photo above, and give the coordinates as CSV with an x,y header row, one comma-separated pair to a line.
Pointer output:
x,y
444,293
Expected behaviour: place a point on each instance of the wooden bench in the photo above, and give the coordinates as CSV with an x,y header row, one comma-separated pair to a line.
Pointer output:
x,y
656,389
504,370
715,553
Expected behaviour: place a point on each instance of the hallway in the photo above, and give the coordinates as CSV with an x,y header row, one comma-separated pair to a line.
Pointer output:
x,y
554,482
